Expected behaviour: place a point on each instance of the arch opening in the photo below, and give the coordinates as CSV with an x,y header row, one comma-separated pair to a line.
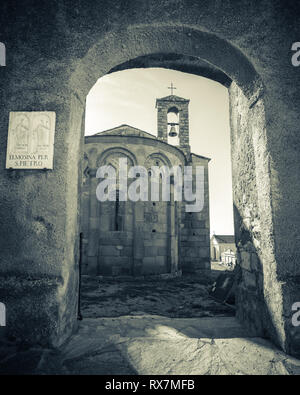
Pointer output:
x,y
245,91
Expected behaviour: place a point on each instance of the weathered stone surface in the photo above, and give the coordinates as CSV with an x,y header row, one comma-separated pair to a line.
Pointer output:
x,y
246,260
109,251
54,64
154,345
249,279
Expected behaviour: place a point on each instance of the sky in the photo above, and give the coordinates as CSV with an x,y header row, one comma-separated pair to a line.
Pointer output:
x,y
128,97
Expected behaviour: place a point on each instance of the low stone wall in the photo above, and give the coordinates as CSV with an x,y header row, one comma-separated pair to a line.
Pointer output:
x,y
163,276
249,292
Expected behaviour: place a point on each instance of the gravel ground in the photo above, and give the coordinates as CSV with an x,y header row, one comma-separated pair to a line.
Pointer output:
x,y
187,296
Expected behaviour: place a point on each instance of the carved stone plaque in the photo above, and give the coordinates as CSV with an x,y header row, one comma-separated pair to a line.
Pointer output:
x,y
30,140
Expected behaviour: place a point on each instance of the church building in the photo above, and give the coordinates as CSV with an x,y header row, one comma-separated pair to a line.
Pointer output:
x,y
145,238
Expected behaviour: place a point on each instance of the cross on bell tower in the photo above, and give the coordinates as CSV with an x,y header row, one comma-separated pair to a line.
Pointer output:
x,y
172,87
173,120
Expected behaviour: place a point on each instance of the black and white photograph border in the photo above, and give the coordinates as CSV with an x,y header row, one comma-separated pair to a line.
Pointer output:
x,y
149,189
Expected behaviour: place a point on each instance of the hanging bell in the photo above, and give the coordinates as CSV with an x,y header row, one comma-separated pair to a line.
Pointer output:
x,y
172,132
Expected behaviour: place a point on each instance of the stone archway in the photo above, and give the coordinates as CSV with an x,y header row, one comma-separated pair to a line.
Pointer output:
x,y
246,91
260,287
260,296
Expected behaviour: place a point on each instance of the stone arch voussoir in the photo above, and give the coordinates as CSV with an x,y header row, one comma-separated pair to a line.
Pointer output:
x,y
140,40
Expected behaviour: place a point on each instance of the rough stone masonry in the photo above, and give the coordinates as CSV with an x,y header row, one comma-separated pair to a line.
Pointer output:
x,y
54,55
144,238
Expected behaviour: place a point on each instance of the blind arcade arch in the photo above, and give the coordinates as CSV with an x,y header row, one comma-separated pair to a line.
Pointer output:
x,y
2,54
2,314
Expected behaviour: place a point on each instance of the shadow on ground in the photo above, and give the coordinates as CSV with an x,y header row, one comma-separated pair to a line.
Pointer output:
x,y
152,328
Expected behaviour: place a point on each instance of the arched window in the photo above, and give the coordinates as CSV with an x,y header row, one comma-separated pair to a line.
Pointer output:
x,y
118,222
2,55
2,315
173,126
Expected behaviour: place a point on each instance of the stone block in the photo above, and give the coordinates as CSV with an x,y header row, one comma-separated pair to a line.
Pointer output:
x,y
195,232
93,245
151,251
198,224
105,270
204,252
139,211
187,224
163,227
109,251
126,251
191,252
94,222
149,261
245,260
116,238
115,261
162,251
92,265
128,223
249,279
255,262
203,264
160,260
188,267
201,217
138,247
191,244
157,242
153,269
251,311
196,238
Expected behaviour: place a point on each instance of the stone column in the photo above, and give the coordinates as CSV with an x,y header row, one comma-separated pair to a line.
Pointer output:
x,y
84,221
172,238
138,240
94,226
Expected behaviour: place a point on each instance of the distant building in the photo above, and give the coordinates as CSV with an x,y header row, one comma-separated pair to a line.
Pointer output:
x,y
223,249
228,258
143,238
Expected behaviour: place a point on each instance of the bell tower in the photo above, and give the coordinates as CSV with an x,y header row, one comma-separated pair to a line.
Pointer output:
x,y
173,120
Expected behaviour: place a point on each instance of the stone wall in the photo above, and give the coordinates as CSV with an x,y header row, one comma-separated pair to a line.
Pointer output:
x,y
163,106
259,293
195,231
56,54
115,254
148,243
170,239
246,215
